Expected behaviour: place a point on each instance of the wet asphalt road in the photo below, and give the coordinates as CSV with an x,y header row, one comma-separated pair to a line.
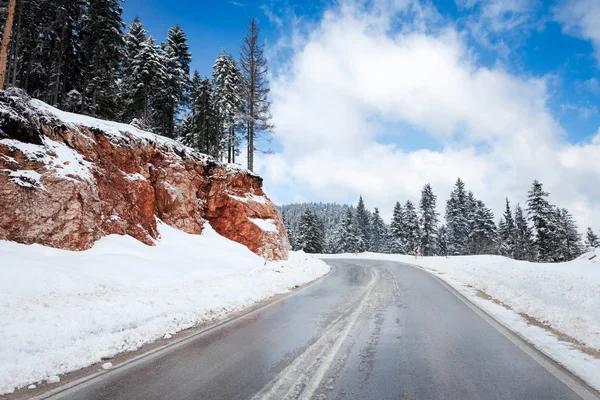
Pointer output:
x,y
370,330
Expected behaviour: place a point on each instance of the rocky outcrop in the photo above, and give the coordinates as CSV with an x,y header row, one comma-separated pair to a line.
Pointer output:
x,y
67,180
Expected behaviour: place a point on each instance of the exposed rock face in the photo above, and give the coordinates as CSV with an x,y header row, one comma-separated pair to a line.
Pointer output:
x,y
67,180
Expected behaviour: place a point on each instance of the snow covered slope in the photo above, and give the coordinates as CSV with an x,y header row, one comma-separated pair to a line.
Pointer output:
x,y
62,310
556,307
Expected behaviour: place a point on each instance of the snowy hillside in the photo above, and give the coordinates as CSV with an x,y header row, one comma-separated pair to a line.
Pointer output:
x,y
554,306
62,310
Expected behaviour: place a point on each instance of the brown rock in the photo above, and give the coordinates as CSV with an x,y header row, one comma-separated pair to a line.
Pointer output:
x,y
133,181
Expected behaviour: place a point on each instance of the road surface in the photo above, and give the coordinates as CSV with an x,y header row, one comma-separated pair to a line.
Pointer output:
x,y
369,330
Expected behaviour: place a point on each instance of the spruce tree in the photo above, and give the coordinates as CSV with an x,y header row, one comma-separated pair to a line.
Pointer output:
x,y
133,91
378,233
443,240
506,232
569,244
362,226
482,237
310,236
101,49
256,91
429,221
411,224
457,219
524,248
540,214
398,243
591,239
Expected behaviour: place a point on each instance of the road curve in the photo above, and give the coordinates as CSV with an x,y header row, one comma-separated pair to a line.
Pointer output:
x,y
370,330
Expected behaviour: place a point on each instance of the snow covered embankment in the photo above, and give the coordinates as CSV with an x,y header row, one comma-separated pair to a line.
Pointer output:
x,y
61,310
556,307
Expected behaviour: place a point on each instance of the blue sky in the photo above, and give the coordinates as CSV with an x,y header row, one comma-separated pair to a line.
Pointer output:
x,y
513,94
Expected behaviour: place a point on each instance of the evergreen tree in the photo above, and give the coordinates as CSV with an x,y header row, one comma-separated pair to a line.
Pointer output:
x,y
362,226
482,237
378,233
228,100
101,50
398,243
457,219
310,236
429,221
568,245
347,235
256,101
411,224
524,248
591,239
443,240
540,213
133,92
506,232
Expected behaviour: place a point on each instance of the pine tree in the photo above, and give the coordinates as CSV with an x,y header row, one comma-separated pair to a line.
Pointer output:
x,y
540,213
363,227
228,100
310,237
506,232
443,240
429,221
457,219
256,91
347,236
378,233
133,93
411,224
398,243
568,244
591,239
482,237
524,248
101,49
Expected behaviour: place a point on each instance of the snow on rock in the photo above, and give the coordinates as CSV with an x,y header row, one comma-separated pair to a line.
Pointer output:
x,y
266,225
107,366
62,310
31,387
563,296
67,180
53,379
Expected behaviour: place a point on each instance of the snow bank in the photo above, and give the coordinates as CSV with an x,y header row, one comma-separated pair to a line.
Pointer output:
x,y
267,225
565,297
61,310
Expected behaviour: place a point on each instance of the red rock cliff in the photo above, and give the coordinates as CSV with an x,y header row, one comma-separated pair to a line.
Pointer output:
x,y
67,180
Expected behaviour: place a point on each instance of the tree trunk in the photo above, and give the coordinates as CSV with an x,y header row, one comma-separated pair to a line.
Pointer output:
x,y
6,41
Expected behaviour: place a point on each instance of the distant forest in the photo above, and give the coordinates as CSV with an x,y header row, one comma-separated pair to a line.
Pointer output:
x,y
541,232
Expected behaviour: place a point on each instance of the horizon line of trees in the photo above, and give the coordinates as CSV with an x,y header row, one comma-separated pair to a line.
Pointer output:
x,y
78,56
541,232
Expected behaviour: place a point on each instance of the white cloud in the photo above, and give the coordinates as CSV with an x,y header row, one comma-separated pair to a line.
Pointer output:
x,y
351,76
580,18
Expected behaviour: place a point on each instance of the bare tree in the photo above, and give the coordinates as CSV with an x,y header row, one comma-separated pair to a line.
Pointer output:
x,y
6,40
257,104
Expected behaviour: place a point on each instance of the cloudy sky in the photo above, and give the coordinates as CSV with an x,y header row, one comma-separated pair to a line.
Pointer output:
x,y
380,97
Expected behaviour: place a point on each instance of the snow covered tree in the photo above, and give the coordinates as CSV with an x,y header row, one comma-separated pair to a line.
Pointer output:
x,y
411,224
256,91
228,83
347,240
397,231
568,244
591,239
457,219
482,237
540,214
524,248
363,227
133,93
506,232
310,236
101,50
443,240
429,221
378,233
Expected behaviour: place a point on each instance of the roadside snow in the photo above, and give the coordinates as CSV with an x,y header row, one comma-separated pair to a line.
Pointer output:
x,y
565,296
266,225
61,311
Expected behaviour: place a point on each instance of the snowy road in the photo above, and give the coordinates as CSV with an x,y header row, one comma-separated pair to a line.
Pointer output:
x,y
369,330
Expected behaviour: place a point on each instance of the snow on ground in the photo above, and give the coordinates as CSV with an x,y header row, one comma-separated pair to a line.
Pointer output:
x,y
62,310
565,296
